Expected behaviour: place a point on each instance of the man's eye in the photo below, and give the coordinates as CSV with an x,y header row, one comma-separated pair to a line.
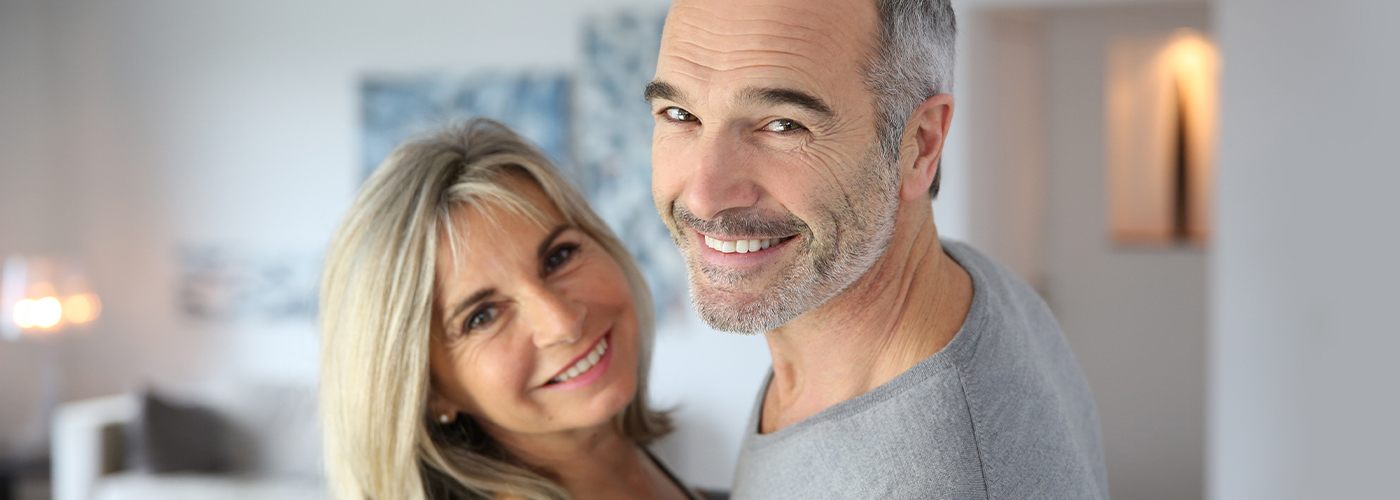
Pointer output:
x,y
783,125
482,317
559,256
678,115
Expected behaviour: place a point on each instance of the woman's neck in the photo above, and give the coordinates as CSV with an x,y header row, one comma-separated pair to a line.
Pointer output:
x,y
593,463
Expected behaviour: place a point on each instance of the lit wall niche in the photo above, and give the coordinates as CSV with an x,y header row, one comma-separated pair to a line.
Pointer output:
x,y
1162,126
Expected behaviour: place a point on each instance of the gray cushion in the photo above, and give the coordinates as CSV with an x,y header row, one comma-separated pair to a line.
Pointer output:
x,y
172,436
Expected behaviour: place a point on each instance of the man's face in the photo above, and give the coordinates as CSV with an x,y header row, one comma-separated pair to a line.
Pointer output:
x,y
765,161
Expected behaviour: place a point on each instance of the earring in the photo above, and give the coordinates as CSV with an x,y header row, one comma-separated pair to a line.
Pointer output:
x,y
445,418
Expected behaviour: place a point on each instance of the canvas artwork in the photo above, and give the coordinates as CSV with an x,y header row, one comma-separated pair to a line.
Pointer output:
x,y
221,284
397,107
592,122
612,126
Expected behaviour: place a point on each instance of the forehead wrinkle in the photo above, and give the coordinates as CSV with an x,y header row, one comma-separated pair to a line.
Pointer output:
x,y
796,77
686,24
761,16
752,44
758,56
740,33
769,53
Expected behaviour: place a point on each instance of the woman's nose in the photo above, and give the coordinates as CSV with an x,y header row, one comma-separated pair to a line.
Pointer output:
x,y
558,318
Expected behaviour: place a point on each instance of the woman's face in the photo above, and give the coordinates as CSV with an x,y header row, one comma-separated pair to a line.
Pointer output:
x,y
536,331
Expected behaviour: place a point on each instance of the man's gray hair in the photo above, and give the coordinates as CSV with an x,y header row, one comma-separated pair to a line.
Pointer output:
x,y
914,57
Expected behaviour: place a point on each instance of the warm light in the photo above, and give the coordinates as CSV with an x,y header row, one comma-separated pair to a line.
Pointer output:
x,y
1190,55
43,313
1163,102
82,309
42,295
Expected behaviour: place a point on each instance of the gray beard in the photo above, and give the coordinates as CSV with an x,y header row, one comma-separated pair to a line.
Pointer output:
x,y
861,235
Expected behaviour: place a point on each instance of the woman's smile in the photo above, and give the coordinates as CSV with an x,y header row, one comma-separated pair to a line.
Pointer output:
x,y
584,369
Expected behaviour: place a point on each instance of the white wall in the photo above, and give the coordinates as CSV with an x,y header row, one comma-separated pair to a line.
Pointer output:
x,y
1135,318
27,210
1007,155
1304,399
147,124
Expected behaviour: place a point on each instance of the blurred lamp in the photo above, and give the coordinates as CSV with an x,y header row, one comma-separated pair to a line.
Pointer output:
x,y
1162,97
42,296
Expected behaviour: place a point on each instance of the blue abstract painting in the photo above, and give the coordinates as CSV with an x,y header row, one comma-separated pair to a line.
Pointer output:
x,y
536,105
223,284
591,121
613,127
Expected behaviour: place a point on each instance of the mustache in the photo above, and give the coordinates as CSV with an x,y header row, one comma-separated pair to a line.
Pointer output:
x,y
740,221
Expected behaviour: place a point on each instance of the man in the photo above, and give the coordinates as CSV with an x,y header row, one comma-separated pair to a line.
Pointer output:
x,y
796,150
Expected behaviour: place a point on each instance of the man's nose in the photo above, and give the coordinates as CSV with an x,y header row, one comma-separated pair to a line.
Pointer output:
x,y
555,317
721,178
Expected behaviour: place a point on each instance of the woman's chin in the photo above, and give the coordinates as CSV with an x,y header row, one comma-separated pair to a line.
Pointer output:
x,y
607,404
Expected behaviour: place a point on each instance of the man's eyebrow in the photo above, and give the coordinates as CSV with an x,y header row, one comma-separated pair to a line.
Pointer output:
x,y
781,96
657,89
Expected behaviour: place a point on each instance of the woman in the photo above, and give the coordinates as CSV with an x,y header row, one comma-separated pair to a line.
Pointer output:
x,y
484,335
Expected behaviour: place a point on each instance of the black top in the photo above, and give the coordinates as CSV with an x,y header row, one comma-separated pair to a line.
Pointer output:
x,y
693,494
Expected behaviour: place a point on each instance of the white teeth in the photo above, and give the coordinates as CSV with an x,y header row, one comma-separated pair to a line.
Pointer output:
x,y
583,365
739,246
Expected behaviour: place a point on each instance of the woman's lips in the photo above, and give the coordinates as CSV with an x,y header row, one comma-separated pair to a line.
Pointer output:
x,y
585,364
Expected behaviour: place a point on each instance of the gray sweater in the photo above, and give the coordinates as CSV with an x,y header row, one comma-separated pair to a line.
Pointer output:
x,y
1001,412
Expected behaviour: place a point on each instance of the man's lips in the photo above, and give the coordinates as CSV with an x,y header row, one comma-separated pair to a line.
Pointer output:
x,y
726,244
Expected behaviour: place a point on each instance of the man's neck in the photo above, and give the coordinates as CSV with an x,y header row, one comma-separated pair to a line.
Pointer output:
x,y
907,307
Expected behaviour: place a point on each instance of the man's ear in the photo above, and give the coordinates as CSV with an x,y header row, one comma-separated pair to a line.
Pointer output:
x,y
921,148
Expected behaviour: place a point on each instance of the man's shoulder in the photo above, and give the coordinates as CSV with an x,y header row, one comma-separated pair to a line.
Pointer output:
x,y
1034,418
1007,317
1001,290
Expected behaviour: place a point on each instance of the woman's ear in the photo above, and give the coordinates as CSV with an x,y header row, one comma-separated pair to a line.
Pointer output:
x,y
921,148
441,409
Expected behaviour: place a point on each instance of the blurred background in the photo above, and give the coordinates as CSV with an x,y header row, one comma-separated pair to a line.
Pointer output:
x,y
1201,190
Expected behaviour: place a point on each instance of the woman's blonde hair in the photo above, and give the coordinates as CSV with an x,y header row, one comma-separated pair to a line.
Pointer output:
x,y
376,312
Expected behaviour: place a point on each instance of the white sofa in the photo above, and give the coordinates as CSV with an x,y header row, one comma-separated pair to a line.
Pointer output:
x,y
275,448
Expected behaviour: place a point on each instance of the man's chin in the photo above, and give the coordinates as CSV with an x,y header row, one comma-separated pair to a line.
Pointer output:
x,y
727,288
735,311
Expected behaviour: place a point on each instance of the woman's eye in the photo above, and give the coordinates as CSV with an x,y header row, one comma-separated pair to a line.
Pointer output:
x,y
482,317
678,115
782,125
559,256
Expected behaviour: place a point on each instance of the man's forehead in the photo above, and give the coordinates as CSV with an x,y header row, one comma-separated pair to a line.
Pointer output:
x,y
794,40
